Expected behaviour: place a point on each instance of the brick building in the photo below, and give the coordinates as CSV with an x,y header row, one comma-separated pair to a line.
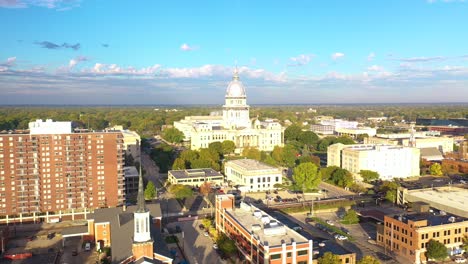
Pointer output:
x,y
409,235
51,172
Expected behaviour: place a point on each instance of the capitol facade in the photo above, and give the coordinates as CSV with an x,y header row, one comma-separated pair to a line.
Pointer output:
x,y
235,125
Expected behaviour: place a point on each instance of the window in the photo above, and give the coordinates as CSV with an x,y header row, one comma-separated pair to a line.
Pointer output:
x,y
289,254
302,252
275,256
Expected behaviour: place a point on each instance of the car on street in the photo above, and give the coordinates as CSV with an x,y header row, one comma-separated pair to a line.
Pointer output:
x,y
206,233
201,226
297,228
87,246
345,230
215,246
340,237
460,260
330,222
74,253
50,235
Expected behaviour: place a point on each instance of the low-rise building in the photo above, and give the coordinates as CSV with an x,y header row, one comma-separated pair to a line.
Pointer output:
x,y
355,132
421,140
254,175
408,235
448,199
388,160
131,180
195,177
259,237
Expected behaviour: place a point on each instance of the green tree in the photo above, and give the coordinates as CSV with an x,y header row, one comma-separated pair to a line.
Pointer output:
x,y
228,146
180,191
436,250
209,154
173,135
369,176
179,164
277,154
368,260
226,244
201,164
327,172
252,153
361,137
341,177
217,147
344,140
270,161
329,258
436,169
289,156
323,144
350,217
390,189
308,138
465,243
150,191
292,132
307,176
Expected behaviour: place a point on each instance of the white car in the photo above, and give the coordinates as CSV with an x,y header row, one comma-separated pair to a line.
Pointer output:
x,y
460,260
340,237
215,246
330,222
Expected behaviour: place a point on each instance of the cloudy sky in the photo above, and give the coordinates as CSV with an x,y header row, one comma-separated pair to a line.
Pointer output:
x,y
184,52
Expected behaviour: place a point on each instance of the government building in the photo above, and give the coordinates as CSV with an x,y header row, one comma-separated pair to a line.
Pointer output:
x,y
235,125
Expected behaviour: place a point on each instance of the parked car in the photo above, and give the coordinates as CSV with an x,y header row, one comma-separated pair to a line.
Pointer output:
x,y
297,228
460,260
275,191
206,233
330,222
340,237
202,227
50,235
215,246
345,230
74,253
87,246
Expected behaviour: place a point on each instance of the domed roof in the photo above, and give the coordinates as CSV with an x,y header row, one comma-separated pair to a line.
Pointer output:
x,y
235,87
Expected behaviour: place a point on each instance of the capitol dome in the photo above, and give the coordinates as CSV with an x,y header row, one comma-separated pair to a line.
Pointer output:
x,y
235,87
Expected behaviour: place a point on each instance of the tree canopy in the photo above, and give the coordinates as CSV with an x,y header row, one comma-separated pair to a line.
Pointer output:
x,y
228,146
292,132
369,176
341,177
306,176
368,260
390,190
173,135
436,250
180,191
252,153
329,258
350,217
150,191
436,169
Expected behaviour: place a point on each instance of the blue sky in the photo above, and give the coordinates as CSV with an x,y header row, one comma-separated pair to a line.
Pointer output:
x,y
184,52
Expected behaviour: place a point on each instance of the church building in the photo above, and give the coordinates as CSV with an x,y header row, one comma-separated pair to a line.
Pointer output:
x,y
235,124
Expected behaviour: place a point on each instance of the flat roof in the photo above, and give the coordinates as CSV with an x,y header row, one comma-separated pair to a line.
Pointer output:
x,y
130,171
450,199
264,227
252,165
194,173
433,219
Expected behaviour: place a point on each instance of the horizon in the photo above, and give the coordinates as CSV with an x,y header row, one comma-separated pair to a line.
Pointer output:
x,y
82,52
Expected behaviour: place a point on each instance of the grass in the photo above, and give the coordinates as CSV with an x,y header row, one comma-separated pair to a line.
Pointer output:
x,y
317,207
333,229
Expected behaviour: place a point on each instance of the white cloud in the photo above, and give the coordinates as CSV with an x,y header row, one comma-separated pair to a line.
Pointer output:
x,y
371,56
114,69
300,60
337,55
375,68
186,47
11,61
75,61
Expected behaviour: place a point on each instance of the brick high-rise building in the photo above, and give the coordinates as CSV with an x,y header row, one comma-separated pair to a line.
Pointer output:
x,y
52,171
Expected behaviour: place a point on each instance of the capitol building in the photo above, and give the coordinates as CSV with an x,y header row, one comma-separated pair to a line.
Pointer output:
x,y
235,124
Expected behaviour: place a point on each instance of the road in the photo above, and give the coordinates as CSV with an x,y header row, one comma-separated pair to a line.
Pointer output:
x,y
334,191
152,171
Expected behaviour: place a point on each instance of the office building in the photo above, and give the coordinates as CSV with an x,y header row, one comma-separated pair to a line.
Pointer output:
x,y
421,141
131,142
252,175
51,171
355,132
131,180
408,235
195,177
235,125
388,160
259,237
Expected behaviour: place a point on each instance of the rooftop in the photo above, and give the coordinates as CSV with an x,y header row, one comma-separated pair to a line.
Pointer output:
x,y
450,199
251,165
433,219
268,230
191,173
130,171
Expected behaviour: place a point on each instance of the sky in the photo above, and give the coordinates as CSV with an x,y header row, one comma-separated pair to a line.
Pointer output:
x,y
185,52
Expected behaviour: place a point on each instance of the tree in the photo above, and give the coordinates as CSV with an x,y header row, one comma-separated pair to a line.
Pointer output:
x,y
252,153
344,140
308,138
342,177
368,260
289,156
465,243
329,258
369,176
292,132
350,217
277,154
200,164
307,176
205,190
436,250
217,147
228,146
209,154
361,137
179,164
390,190
270,161
327,172
226,244
180,191
436,169
150,191
173,135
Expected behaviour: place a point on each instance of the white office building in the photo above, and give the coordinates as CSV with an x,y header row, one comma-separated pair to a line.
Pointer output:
x,y
253,175
388,160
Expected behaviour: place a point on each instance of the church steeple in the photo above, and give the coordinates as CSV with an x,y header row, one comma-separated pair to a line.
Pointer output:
x,y
141,208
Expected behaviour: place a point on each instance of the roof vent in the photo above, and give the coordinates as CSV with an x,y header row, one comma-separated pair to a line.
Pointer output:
x,y
451,219
256,227
265,219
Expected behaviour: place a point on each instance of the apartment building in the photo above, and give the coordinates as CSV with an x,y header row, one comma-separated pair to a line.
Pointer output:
x,y
409,235
254,175
260,237
52,172
388,160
